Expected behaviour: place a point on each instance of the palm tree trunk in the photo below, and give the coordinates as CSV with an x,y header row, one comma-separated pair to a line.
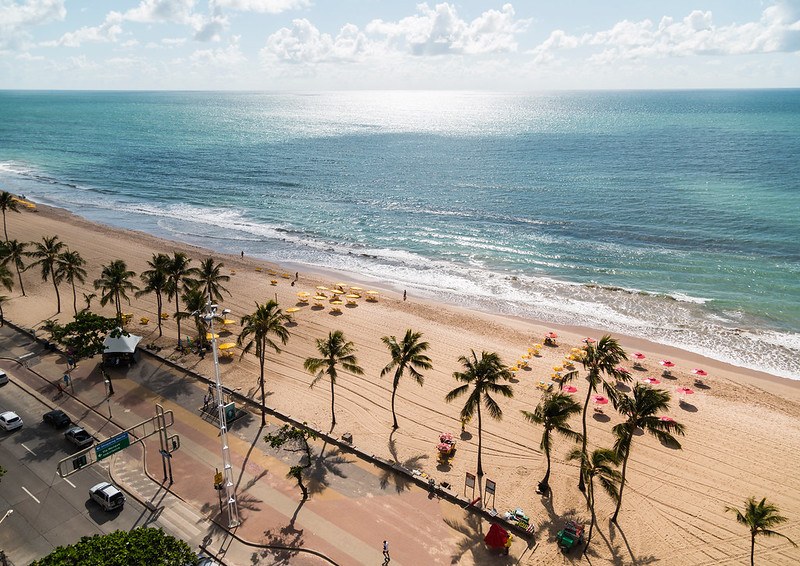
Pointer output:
x,y
159,306
752,548
622,478
177,318
584,456
594,517
55,286
333,415
480,436
545,483
261,383
394,416
5,231
74,298
19,276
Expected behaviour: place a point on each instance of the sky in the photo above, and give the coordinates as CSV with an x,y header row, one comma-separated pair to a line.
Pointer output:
x,y
314,45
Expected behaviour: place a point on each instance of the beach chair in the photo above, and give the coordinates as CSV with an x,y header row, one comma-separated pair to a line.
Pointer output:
x,y
144,320
164,316
273,282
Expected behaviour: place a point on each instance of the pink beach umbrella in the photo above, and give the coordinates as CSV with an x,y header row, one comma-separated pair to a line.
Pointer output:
x,y
651,381
667,419
599,400
684,391
445,437
571,389
552,335
588,340
667,364
699,372
638,356
624,370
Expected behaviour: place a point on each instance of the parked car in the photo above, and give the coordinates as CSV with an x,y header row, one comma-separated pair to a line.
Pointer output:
x,y
3,377
107,495
57,418
79,437
10,420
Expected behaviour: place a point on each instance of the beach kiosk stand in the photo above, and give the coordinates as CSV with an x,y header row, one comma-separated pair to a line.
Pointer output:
x,y
120,350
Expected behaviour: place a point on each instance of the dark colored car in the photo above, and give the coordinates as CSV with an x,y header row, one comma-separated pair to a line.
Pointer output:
x,y
79,437
57,418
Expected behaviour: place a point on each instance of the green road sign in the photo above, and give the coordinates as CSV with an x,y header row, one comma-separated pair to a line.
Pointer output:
x,y
230,412
112,445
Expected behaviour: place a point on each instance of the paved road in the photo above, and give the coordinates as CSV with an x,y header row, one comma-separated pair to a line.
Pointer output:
x,y
48,511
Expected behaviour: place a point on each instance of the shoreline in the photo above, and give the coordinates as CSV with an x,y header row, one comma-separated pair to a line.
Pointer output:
x,y
742,430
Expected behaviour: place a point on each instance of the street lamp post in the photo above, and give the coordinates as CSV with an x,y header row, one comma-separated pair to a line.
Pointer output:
x,y
227,468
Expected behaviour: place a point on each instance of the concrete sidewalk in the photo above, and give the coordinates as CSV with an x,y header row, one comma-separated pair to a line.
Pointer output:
x,y
354,505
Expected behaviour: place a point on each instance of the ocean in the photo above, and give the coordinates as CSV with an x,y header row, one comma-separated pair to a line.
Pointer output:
x,y
671,215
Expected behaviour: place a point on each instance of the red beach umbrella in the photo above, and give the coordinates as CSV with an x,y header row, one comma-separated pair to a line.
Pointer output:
x,y
588,340
667,419
496,537
599,400
571,389
700,372
651,381
685,391
667,364
552,335
638,356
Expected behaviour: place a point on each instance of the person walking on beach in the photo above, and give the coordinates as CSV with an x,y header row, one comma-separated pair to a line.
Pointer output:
x,y
404,294
386,557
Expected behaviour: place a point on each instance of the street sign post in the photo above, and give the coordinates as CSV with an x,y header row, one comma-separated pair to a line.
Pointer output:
x,y
230,413
112,445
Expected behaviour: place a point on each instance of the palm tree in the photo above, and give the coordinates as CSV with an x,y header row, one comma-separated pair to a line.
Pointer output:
x,y
407,354
194,301
115,282
7,281
7,202
46,253
155,281
759,518
177,270
600,358
553,413
13,251
208,275
266,320
335,350
3,299
601,464
483,375
641,412
70,268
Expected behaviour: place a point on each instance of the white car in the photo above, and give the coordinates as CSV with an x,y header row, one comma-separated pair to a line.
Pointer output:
x,y
3,377
107,495
10,420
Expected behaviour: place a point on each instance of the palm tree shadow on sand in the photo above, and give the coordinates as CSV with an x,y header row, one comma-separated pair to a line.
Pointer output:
x,y
617,557
401,483
472,529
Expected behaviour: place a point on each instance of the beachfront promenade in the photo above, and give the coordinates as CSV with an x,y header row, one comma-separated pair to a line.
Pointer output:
x,y
354,505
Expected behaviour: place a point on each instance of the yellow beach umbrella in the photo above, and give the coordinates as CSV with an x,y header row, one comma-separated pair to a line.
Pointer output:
x,y
373,292
558,368
337,302
210,336
226,345
303,294
291,310
228,321
320,297
322,288
354,288
352,296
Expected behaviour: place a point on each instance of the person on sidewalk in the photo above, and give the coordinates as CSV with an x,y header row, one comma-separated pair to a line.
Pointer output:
x,y
386,557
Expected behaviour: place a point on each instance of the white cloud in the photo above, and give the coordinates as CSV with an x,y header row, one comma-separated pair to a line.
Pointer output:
x,y
209,28
225,58
16,18
439,31
304,43
263,6
153,11
104,33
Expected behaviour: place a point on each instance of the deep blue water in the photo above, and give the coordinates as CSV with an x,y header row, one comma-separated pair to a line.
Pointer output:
x,y
670,215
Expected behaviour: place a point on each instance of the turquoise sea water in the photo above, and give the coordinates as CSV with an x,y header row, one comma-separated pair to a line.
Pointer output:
x,y
669,215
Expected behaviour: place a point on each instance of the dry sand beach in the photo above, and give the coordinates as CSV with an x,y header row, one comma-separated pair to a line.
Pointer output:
x,y
742,431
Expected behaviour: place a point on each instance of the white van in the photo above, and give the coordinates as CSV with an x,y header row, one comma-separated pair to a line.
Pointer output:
x,y
108,496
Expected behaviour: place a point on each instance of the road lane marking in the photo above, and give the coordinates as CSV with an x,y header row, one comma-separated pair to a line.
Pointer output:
x,y
69,482
32,495
28,449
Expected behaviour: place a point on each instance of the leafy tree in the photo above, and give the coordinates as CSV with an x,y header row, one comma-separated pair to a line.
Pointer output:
x,y
553,413
177,270
601,464
760,518
294,439
143,545
70,269
115,282
195,301
266,321
7,202
14,252
408,354
483,375
600,358
83,337
6,279
209,278
335,350
640,411
155,281
46,253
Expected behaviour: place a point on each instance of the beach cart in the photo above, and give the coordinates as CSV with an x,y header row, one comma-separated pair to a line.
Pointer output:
x,y
570,536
